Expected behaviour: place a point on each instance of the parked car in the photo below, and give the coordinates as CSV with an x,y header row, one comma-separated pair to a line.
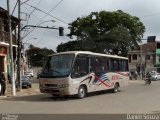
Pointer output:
x,y
155,76
26,82
153,72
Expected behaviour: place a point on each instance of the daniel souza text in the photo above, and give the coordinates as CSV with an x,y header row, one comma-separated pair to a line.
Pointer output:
x,y
143,117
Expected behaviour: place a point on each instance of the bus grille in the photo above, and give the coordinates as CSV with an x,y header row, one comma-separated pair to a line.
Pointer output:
x,y
52,91
51,85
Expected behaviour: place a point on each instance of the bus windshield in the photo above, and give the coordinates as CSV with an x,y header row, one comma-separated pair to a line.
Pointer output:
x,y
58,66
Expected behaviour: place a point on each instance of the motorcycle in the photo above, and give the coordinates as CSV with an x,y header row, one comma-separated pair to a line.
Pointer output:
x,y
147,81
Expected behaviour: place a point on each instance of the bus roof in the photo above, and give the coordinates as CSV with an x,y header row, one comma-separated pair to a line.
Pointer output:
x,y
91,53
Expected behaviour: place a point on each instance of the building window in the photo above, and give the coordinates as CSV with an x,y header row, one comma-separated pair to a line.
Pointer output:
x,y
134,57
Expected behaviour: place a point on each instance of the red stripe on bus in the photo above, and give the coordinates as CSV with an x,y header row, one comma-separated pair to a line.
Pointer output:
x,y
103,82
124,74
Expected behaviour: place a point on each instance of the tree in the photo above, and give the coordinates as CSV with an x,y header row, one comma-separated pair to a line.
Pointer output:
x,y
37,55
117,39
110,29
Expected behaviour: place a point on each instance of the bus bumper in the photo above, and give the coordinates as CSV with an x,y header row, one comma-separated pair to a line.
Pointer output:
x,y
60,91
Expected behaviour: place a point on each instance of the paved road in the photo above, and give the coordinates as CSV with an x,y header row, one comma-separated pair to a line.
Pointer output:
x,y
135,98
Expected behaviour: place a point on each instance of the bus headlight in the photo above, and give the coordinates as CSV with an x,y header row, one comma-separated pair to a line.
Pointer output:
x,y
63,85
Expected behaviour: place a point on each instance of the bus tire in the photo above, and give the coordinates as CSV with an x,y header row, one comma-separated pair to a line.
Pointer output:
x,y
116,88
82,92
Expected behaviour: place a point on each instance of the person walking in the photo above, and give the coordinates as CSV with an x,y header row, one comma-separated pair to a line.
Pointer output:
x,y
3,83
135,75
148,80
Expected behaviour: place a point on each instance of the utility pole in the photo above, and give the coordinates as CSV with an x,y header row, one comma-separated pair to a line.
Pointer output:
x,y
141,63
142,71
19,49
11,51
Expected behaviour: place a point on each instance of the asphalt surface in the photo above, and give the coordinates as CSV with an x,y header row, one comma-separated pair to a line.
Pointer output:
x,y
136,98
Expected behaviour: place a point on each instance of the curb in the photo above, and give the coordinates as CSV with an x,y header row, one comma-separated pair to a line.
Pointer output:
x,y
3,97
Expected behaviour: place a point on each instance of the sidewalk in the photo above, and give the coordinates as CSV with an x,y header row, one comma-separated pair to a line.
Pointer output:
x,y
23,92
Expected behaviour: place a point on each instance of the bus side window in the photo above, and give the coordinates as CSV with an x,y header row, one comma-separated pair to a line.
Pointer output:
x,y
80,67
125,66
111,65
105,60
98,65
120,65
116,65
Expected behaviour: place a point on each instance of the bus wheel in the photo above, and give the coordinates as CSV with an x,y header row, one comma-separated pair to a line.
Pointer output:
x,y
81,92
116,88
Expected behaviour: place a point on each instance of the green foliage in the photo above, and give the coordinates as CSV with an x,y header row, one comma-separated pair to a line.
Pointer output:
x,y
36,56
100,30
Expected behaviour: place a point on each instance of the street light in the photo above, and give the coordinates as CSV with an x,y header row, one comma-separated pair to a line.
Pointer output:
x,y
35,26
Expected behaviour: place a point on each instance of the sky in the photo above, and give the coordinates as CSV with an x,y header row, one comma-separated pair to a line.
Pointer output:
x,y
63,12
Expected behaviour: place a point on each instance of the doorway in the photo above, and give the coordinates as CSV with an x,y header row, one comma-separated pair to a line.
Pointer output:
x,y
1,63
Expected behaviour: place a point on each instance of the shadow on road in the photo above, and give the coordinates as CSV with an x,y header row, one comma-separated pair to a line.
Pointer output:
x,y
38,98
49,98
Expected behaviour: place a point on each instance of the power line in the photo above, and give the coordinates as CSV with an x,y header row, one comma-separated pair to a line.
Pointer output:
x,y
49,12
29,11
57,5
31,14
33,11
151,15
14,7
24,2
45,15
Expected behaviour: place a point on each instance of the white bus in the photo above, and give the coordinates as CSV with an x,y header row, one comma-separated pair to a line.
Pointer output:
x,y
81,72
